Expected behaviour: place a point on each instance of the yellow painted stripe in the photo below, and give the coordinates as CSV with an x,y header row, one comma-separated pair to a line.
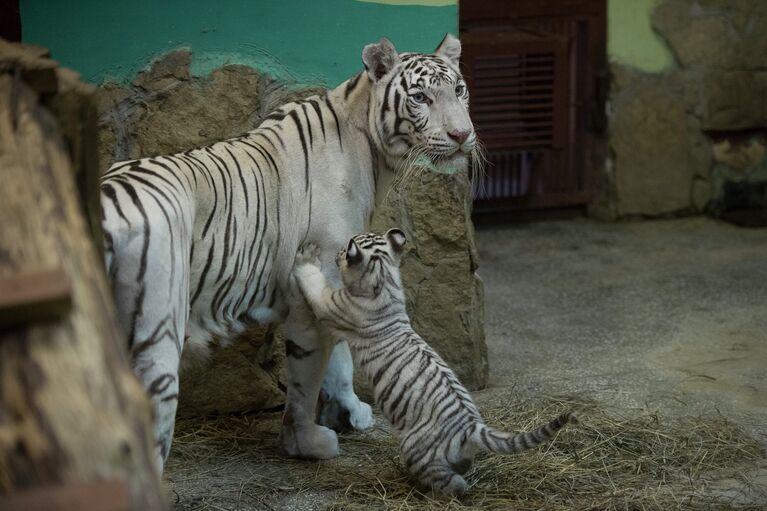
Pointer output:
x,y
427,3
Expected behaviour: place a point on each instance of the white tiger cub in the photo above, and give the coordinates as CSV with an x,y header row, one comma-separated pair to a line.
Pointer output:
x,y
439,426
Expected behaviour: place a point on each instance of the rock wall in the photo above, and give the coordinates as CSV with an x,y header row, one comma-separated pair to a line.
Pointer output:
x,y
165,110
668,130
445,297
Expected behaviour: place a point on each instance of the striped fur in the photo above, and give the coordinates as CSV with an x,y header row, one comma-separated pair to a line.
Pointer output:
x,y
201,243
439,426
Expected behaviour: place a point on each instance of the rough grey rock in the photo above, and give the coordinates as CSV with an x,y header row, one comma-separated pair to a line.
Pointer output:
x,y
444,294
165,71
742,165
653,163
702,192
246,375
722,34
165,110
199,114
661,124
722,45
733,100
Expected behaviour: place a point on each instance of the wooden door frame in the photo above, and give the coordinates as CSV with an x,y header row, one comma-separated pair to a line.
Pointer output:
x,y
10,20
493,15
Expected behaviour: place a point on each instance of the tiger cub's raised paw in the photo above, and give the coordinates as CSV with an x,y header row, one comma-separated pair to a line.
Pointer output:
x,y
308,254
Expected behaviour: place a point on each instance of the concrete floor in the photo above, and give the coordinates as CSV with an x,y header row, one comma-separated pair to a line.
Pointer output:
x,y
666,314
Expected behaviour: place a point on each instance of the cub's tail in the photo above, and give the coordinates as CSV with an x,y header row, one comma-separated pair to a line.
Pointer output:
x,y
489,439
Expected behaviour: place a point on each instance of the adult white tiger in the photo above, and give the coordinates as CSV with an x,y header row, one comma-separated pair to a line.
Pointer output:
x,y
202,242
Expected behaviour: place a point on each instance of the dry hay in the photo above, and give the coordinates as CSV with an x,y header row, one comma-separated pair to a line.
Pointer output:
x,y
610,460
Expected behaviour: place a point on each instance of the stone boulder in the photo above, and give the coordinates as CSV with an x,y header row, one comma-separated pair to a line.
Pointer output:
x,y
721,44
721,34
662,126
733,100
165,110
657,148
445,296
740,174
247,374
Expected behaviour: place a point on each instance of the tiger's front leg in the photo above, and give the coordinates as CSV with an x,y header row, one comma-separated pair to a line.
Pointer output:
x,y
308,350
308,355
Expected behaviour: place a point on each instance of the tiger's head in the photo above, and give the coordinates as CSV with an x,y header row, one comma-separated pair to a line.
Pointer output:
x,y
420,106
370,263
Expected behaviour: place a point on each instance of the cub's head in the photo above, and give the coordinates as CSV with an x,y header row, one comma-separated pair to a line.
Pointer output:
x,y
420,105
370,263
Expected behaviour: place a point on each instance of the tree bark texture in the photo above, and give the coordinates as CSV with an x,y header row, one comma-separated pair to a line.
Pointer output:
x,y
71,411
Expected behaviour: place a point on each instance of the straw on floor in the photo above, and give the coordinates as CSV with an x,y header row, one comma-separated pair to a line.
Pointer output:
x,y
613,459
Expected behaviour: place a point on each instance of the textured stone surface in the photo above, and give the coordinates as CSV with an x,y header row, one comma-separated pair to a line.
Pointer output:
x,y
165,110
740,156
739,174
702,192
656,149
445,296
661,315
732,100
661,124
248,374
721,45
724,34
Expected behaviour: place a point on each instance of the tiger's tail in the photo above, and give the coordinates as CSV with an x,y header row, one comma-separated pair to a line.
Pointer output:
x,y
501,442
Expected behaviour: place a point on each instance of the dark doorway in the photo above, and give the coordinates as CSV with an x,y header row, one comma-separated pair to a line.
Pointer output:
x,y
538,80
10,20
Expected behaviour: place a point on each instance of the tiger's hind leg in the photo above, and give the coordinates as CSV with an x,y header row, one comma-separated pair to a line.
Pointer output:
x,y
426,459
156,363
149,272
342,410
441,479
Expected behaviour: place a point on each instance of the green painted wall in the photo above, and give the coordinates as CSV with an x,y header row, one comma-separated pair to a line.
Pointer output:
x,y
303,41
631,39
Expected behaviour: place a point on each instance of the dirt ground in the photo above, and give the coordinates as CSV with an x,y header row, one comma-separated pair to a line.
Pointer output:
x,y
669,314
660,319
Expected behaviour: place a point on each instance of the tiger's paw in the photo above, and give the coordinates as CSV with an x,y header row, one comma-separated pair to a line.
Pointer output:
x,y
309,441
308,254
346,413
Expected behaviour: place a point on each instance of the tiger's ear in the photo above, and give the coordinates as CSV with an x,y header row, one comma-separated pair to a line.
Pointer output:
x,y
396,239
353,253
450,48
379,58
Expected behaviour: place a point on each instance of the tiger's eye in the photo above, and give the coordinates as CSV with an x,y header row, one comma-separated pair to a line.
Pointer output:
x,y
460,89
419,97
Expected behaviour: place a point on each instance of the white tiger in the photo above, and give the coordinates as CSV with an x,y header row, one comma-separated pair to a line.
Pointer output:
x,y
200,243
439,426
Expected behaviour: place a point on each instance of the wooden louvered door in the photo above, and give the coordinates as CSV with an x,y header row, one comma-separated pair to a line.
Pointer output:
x,y
535,102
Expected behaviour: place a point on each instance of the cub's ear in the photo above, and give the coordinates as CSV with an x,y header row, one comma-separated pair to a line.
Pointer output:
x,y
396,239
450,48
379,58
353,253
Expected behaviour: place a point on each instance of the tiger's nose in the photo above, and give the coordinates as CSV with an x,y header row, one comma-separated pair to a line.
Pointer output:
x,y
459,136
